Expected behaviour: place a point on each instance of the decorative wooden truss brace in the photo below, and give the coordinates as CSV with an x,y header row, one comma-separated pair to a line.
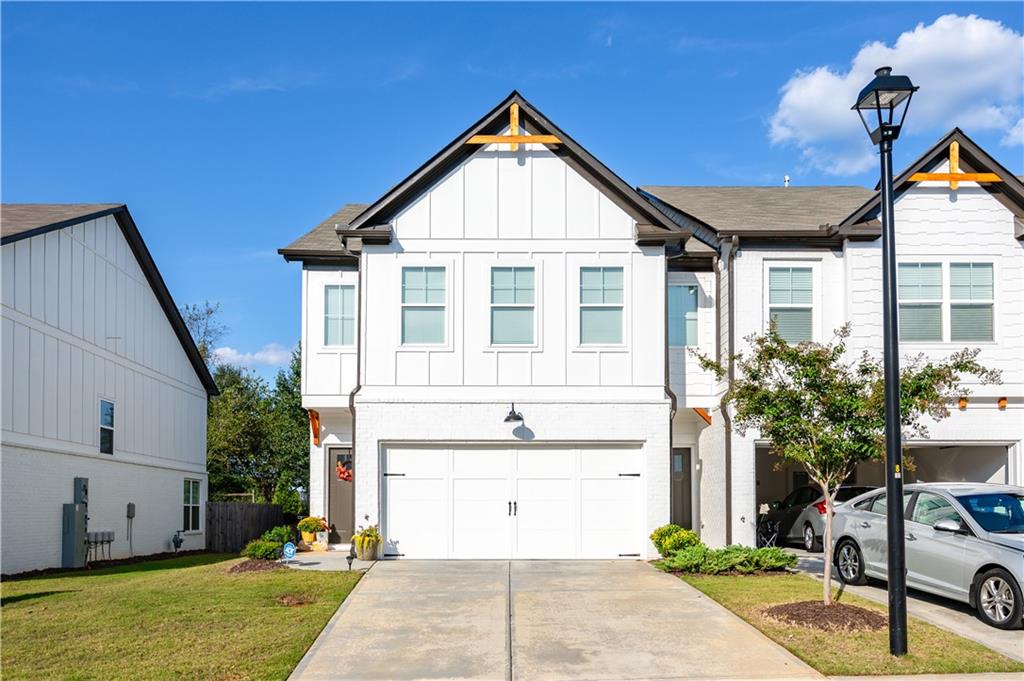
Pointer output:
x,y
954,176
314,425
703,414
514,139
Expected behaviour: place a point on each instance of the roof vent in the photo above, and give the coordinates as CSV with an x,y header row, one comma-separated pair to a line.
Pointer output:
x,y
785,180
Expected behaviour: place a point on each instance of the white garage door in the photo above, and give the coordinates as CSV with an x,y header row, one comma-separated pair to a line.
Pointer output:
x,y
529,502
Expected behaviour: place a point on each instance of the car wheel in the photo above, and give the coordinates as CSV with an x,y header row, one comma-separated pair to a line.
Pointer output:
x,y
850,562
999,599
812,543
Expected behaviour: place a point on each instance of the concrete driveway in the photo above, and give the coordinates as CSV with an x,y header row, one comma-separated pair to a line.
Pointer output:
x,y
537,620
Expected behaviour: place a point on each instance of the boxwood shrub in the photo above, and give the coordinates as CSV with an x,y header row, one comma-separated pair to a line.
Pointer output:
x,y
261,549
671,538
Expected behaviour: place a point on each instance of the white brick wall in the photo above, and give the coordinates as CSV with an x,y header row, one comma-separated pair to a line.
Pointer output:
x,y
335,430
36,484
646,423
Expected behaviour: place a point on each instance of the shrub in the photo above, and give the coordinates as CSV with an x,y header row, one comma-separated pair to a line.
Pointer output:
x,y
281,534
681,539
312,524
288,499
670,538
261,549
741,559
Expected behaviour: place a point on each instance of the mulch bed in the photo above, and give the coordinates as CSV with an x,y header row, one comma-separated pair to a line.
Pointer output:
x,y
98,564
835,617
253,565
291,600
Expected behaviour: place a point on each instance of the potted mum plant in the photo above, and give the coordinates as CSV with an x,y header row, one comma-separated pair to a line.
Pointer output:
x,y
310,526
367,541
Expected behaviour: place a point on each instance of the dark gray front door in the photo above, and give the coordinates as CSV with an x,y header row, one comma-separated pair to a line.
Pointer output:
x,y
680,491
341,509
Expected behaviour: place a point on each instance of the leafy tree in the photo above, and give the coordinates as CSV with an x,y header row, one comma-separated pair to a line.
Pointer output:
x,y
827,413
237,441
288,424
202,320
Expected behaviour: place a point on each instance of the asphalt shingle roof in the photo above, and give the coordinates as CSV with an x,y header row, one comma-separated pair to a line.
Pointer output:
x,y
17,218
323,237
764,209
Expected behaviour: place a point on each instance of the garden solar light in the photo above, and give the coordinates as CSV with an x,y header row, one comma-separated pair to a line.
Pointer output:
x,y
351,555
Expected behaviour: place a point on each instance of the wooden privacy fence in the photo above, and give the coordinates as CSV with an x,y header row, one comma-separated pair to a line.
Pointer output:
x,y
230,525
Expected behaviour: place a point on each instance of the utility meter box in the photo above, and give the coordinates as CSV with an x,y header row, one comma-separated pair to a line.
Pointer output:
x,y
131,509
82,491
73,536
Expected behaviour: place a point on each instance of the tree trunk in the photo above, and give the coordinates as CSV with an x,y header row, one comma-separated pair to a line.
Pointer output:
x,y
826,547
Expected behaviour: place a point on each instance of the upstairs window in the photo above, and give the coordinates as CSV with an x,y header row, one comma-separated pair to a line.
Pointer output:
x,y
919,290
423,305
339,315
512,305
791,302
971,302
601,305
106,427
682,316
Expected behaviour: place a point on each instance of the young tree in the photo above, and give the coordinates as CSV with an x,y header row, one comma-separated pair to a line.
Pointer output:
x,y
202,320
827,413
289,425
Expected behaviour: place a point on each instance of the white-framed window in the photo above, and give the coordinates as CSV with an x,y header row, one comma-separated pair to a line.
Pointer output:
x,y
339,314
919,292
423,305
791,301
106,426
946,302
972,301
601,304
512,305
190,509
682,315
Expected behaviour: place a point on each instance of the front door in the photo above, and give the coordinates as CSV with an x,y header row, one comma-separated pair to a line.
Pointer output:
x,y
341,509
681,491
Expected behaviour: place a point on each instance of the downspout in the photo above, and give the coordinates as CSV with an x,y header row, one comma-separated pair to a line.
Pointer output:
x,y
674,403
730,375
359,342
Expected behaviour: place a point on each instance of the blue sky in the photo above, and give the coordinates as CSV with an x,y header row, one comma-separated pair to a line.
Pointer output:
x,y
230,129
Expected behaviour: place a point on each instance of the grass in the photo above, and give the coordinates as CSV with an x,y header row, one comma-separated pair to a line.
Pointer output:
x,y
932,650
183,618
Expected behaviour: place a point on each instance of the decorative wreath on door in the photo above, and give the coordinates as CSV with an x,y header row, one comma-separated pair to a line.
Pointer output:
x,y
344,473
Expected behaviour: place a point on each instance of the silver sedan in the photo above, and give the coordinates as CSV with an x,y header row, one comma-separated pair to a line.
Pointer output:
x,y
964,541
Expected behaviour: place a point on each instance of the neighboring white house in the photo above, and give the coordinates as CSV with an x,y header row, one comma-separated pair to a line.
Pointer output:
x,y
101,380
525,271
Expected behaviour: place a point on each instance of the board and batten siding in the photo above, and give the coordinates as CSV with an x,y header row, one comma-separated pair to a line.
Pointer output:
x,y
524,209
80,322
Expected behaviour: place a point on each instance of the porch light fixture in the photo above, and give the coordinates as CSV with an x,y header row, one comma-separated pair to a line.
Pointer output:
x,y
513,415
888,96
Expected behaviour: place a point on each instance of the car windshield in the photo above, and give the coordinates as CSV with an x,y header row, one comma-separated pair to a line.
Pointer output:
x,y
1002,512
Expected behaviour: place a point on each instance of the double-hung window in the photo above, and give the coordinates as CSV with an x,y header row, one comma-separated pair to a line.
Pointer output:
x,y
791,302
190,506
682,316
512,305
919,289
106,427
339,315
423,305
601,305
971,301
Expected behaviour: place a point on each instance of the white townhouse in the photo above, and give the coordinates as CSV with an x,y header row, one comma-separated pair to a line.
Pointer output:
x,y
101,380
496,352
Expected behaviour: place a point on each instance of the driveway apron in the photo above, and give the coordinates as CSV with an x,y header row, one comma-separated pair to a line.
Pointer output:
x,y
526,620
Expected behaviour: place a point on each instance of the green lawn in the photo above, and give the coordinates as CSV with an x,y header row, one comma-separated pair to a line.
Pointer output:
x,y
932,650
185,618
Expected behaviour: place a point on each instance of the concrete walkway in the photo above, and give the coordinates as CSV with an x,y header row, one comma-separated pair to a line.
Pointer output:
x,y
950,615
527,620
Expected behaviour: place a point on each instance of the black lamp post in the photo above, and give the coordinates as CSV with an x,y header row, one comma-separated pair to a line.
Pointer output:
x,y
888,96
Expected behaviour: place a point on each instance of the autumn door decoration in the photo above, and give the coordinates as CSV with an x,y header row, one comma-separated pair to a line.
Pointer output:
x,y
343,472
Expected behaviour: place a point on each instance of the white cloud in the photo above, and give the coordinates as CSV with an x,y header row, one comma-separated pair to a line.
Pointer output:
x,y
271,355
1015,136
969,69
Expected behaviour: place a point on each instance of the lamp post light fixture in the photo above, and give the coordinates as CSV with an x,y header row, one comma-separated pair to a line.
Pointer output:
x,y
351,555
888,96
513,415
